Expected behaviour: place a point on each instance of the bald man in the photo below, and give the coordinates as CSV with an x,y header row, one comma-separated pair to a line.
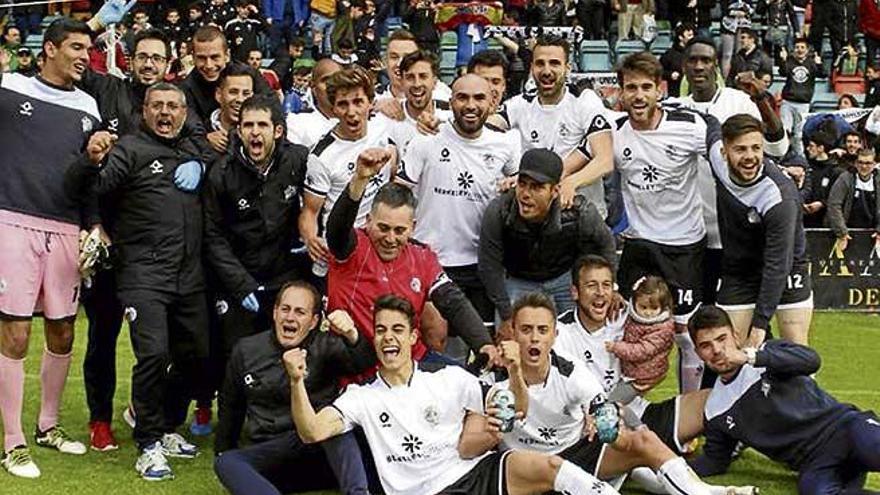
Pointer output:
x,y
454,175
309,126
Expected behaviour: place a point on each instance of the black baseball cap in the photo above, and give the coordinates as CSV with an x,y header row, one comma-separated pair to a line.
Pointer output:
x,y
24,52
541,165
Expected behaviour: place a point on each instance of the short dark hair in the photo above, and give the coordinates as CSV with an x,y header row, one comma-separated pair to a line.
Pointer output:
x,y
740,125
553,40
207,34
345,44
850,133
394,195
61,28
801,39
402,35
420,56
534,300
489,58
9,27
699,40
760,73
302,70
393,302
268,103
644,63
306,286
297,41
707,317
683,27
350,78
749,32
152,34
236,70
589,262
852,99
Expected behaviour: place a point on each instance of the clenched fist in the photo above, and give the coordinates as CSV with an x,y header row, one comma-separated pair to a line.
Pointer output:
x,y
371,161
99,145
295,364
510,356
341,324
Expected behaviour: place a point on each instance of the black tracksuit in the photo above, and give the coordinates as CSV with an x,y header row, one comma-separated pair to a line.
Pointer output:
x,y
157,237
250,229
821,175
200,94
800,79
242,36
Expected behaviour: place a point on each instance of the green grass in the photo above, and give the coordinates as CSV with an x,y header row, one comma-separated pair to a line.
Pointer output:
x,y
848,344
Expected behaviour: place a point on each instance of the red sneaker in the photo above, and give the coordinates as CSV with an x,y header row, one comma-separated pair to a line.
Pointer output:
x,y
101,436
201,424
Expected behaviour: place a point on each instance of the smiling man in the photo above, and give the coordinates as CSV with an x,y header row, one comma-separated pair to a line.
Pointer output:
x,y
236,85
46,123
420,71
764,267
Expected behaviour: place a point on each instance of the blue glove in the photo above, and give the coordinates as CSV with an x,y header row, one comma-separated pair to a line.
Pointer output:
x,y
251,303
188,175
113,11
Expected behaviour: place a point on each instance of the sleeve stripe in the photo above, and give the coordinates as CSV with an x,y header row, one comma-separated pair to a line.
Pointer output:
x,y
316,192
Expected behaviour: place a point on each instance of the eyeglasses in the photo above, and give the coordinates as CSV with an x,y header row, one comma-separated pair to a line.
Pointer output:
x,y
157,106
156,59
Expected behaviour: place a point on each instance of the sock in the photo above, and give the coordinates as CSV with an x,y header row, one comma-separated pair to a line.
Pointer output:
x,y
11,398
678,479
53,375
690,366
647,480
572,480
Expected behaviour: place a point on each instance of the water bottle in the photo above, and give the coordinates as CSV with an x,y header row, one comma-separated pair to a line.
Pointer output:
x,y
505,402
607,422
319,268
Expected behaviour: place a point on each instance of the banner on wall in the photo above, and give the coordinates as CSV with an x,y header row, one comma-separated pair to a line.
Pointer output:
x,y
844,280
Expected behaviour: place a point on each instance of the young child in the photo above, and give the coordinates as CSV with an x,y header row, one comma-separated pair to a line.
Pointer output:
x,y
647,335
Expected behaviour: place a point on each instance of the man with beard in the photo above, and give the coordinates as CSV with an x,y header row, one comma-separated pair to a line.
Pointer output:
x,y
764,267
309,126
438,412
849,152
767,399
154,173
455,175
582,337
557,119
657,151
563,393
256,398
420,70
252,200
332,160
236,86
528,242
400,44
211,56
46,123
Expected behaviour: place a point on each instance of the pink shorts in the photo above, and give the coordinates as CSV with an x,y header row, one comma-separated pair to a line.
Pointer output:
x,y
38,267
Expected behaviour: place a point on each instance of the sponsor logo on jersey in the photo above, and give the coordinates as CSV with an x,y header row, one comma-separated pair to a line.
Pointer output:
x,y
384,420
465,180
26,109
156,167
243,204
416,285
547,433
444,155
411,444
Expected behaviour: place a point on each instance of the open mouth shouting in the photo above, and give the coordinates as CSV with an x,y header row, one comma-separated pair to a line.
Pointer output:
x,y
165,126
390,352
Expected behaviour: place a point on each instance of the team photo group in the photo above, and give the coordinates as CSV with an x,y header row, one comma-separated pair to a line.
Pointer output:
x,y
353,277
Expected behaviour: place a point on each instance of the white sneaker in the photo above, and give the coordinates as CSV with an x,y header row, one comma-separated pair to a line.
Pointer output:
x,y
129,416
174,445
152,464
743,490
57,438
19,463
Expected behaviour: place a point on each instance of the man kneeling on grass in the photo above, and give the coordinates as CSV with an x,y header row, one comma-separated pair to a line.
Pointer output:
x,y
425,423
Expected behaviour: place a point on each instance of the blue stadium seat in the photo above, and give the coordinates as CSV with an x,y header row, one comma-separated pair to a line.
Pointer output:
x,y
595,62
626,47
824,101
449,38
660,46
447,57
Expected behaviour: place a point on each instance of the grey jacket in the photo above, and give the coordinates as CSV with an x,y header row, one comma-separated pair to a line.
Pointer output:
x,y
840,201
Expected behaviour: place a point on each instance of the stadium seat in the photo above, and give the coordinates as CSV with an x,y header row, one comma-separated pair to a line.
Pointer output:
x,y
447,57
626,47
595,56
660,46
449,38
824,101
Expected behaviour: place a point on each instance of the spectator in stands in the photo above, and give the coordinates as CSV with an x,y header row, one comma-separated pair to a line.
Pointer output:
x,y
27,64
749,58
848,150
197,18
255,60
673,59
847,100
299,98
822,173
704,17
285,19
284,64
236,86
251,200
154,173
800,72
322,20
781,23
174,29
795,166
529,243
420,19
736,15
838,17
546,13
220,12
344,54
242,31
869,25
591,17
11,43
211,56
256,398
852,202
630,17
872,81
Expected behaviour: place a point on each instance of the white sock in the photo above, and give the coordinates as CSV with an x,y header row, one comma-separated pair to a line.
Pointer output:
x,y
690,366
647,480
572,480
678,479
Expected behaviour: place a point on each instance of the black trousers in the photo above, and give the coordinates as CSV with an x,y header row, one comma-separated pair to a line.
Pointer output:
x,y
169,339
105,321
467,278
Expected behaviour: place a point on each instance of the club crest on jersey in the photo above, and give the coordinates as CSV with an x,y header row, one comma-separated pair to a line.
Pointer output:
x,y
765,389
221,307
563,130
289,192
86,125
534,136
26,109
156,167
130,314
113,125
415,284
432,416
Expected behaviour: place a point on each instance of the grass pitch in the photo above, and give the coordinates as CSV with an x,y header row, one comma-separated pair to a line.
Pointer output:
x,y
848,343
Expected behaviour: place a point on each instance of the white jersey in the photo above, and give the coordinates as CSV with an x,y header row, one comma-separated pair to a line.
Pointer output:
x,y
580,345
332,163
726,103
405,130
560,127
557,408
307,128
413,430
658,177
454,179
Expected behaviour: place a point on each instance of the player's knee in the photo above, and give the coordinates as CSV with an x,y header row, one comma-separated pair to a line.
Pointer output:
x,y
59,336
15,339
